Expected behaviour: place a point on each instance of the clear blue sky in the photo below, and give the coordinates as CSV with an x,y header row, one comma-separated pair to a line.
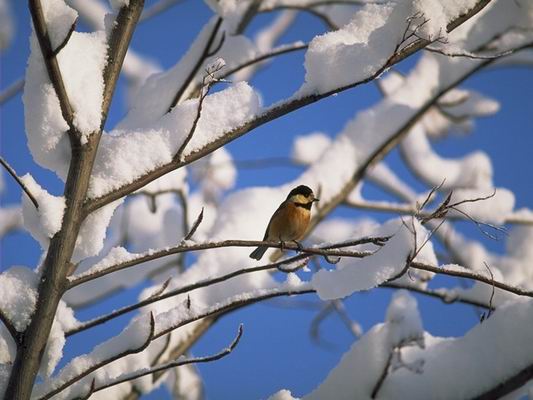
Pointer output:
x,y
276,351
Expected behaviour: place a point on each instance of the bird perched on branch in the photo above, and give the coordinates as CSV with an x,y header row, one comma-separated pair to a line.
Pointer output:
x,y
290,221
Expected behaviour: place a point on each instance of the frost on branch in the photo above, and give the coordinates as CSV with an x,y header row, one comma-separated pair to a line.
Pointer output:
x,y
387,262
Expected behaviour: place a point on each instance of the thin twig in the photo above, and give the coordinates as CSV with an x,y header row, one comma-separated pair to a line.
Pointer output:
x,y
19,181
197,66
175,363
195,225
474,276
56,51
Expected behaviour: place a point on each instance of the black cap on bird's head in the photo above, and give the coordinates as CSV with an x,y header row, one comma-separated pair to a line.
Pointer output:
x,y
302,189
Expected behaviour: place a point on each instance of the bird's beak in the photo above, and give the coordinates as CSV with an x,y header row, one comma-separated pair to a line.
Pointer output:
x,y
315,199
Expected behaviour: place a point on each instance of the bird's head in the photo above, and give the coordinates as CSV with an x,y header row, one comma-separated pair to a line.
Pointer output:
x,y
302,195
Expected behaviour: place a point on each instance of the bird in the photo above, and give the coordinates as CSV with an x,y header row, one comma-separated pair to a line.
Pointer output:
x,y
290,221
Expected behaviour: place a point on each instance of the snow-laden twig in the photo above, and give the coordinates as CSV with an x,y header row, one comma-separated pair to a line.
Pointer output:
x,y
19,181
329,250
52,66
10,327
176,363
103,363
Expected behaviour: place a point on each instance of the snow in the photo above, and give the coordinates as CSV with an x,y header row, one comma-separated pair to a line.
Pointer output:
x,y
59,19
355,51
363,274
17,308
127,153
44,222
308,149
81,63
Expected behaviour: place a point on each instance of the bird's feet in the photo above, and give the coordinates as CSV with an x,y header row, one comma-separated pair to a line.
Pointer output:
x,y
298,245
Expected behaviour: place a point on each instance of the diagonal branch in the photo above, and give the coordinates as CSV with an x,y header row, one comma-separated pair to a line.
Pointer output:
x,y
19,181
274,112
104,362
205,54
175,363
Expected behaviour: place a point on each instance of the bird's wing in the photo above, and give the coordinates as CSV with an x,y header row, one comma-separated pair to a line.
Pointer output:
x,y
274,216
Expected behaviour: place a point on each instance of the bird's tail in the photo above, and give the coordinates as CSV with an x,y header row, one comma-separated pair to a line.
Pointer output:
x,y
259,252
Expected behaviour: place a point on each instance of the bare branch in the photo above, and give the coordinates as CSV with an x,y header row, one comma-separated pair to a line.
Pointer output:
x,y
382,376
408,209
195,226
176,363
463,273
19,181
104,362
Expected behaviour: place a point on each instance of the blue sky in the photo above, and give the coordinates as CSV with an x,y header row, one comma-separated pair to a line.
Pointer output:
x,y
276,351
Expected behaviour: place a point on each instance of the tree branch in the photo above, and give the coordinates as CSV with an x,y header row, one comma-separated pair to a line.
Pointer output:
x,y
103,363
19,181
197,66
474,276
188,288
330,250
175,363
271,114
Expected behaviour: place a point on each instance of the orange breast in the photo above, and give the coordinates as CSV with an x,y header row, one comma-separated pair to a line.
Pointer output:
x,y
289,222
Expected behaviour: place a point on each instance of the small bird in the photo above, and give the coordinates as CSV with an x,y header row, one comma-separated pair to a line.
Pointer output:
x,y
290,221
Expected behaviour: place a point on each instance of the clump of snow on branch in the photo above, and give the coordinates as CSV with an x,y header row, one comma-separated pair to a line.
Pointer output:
x,y
81,62
17,308
372,351
125,155
156,95
44,222
362,274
